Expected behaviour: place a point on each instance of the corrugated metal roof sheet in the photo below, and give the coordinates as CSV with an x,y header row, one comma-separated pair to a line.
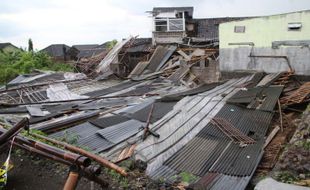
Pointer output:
x,y
268,79
121,131
95,142
80,131
160,109
164,173
216,181
105,122
263,98
111,89
198,155
238,161
159,57
180,125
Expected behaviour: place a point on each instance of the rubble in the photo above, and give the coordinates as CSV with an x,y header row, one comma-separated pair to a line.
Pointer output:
x,y
170,108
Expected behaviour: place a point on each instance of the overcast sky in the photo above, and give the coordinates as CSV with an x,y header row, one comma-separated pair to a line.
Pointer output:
x,y
96,21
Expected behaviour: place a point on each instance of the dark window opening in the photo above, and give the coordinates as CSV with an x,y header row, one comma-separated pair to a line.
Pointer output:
x,y
239,29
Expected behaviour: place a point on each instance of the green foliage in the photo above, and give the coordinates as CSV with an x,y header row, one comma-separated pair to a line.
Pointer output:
x,y
123,181
286,177
70,138
15,63
187,177
112,44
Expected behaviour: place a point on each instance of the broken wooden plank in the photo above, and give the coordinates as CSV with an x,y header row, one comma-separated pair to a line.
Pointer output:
x,y
271,136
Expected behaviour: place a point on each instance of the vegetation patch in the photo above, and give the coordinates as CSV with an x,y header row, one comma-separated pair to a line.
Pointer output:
x,y
21,62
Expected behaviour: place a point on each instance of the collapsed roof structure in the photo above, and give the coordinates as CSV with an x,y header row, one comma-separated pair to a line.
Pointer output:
x,y
165,115
172,110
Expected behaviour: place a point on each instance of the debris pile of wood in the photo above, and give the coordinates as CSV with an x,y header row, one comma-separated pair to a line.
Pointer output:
x,y
187,66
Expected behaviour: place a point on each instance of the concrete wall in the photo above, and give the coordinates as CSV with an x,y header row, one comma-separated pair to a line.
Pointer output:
x,y
262,33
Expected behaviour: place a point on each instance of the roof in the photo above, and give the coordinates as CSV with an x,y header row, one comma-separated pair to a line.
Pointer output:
x,y
91,52
189,10
3,45
56,50
140,45
273,15
85,46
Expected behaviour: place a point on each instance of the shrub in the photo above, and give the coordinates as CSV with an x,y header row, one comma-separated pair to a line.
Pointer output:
x,y
15,63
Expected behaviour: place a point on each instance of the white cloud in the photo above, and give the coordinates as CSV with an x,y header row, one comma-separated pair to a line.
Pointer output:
x,y
75,22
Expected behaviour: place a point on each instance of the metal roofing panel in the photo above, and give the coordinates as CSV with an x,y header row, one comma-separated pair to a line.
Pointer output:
x,y
121,131
268,79
80,131
244,96
197,156
237,160
226,182
139,90
188,92
95,143
176,129
86,137
163,173
160,109
35,111
253,123
49,126
160,57
272,94
12,110
100,104
105,122
111,89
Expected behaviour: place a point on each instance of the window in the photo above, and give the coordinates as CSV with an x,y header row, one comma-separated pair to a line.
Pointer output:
x,y
161,25
168,24
294,26
239,29
175,24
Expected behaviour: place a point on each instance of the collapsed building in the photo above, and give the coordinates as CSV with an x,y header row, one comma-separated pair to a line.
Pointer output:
x,y
172,109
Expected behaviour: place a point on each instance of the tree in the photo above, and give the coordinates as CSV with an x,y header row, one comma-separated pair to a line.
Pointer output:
x,y
30,45
112,43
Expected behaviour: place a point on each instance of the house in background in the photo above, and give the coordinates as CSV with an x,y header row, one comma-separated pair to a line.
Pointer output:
x,y
8,48
269,43
169,24
176,25
59,52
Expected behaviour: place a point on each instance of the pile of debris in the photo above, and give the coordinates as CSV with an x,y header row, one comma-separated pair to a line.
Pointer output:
x,y
172,113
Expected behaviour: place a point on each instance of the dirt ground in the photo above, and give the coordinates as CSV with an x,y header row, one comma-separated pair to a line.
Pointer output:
x,y
31,172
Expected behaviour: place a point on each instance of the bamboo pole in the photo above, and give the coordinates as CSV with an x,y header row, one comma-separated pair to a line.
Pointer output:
x,y
90,172
71,157
73,178
78,150
68,156
13,131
